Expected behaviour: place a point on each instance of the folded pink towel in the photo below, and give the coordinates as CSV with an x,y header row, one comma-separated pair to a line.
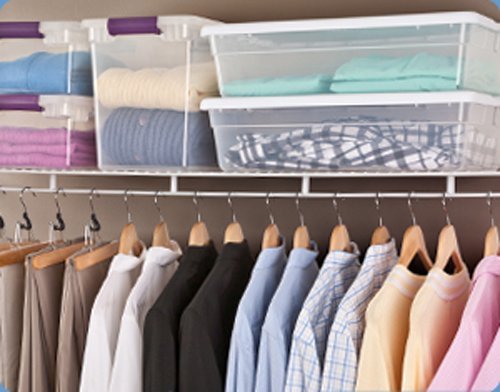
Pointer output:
x,y
45,161
49,149
18,135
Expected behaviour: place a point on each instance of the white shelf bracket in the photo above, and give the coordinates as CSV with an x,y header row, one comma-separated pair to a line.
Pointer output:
x,y
305,187
451,185
53,182
173,184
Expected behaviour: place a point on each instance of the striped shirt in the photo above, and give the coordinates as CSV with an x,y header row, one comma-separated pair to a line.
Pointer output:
x,y
344,340
315,319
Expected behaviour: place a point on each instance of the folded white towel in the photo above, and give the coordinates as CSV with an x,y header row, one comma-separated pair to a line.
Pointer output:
x,y
157,88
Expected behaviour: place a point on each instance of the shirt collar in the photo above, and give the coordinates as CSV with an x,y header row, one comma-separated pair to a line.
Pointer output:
x,y
381,252
340,257
124,263
489,265
303,258
162,256
449,286
270,256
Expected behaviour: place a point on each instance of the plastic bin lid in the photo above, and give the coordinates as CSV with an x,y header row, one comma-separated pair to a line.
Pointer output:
x,y
383,99
366,22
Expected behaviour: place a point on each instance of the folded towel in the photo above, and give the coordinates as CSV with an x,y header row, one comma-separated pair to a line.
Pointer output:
x,y
420,83
60,150
157,88
292,85
153,137
21,135
45,161
47,73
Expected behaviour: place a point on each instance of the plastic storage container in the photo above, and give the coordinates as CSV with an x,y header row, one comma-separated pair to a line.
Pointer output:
x,y
421,52
150,75
370,132
44,58
55,132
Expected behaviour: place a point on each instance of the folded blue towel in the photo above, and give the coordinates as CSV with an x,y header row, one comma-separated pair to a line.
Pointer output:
x,y
154,137
47,73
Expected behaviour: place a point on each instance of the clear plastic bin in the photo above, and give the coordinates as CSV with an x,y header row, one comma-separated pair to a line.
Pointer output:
x,y
44,58
150,75
52,131
370,132
402,53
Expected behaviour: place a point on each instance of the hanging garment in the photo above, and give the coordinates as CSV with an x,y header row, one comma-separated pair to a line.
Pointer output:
x,y
291,85
11,322
488,378
315,319
243,351
161,328
276,336
352,144
47,73
207,322
158,88
386,332
159,267
80,288
105,320
434,318
478,326
157,137
346,334
42,307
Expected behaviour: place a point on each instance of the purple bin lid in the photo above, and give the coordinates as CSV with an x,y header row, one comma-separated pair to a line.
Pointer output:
x,y
136,25
20,30
20,102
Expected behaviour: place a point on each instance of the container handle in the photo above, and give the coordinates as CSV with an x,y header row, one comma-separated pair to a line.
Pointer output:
x,y
20,102
136,25
20,30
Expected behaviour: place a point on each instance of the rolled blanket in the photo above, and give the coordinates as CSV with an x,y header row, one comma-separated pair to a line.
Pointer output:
x,y
157,88
154,137
47,73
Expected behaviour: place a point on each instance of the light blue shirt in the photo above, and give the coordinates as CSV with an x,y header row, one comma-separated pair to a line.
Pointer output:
x,y
243,351
298,278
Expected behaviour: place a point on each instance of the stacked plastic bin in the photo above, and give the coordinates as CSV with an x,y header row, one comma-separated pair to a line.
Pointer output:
x,y
394,93
46,111
150,75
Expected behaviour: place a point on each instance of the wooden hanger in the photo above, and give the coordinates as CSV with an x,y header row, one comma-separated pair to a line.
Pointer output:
x,y
17,255
130,244
272,236
234,232
56,256
161,236
448,244
301,237
381,233
198,236
96,256
339,239
491,240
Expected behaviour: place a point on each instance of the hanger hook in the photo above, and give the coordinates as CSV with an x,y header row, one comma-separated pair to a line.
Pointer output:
x,y
297,204
336,206
2,222
445,208
27,225
379,212
230,203
489,201
60,225
410,208
268,205
197,206
158,207
94,225
127,207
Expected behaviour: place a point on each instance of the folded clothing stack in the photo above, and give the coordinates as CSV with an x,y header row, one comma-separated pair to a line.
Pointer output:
x,y
345,146
154,137
47,73
49,148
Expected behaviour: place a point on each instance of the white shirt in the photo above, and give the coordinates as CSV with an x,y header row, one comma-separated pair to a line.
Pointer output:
x,y
159,267
104,321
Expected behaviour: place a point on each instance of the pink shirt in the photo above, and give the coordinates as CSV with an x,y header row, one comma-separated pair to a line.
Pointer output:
x,y
489,375
478,327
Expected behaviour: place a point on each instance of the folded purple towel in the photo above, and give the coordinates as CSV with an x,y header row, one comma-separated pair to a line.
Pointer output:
x,y
18,135
44,160
49,149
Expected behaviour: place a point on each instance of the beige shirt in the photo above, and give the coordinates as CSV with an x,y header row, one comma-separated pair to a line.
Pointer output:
x,y
387,324
434,320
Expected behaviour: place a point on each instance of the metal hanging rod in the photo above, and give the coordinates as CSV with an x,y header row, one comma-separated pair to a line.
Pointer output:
x,y
275,195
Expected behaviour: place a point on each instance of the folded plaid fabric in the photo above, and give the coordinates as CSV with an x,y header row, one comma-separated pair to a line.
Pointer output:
x,y
350,146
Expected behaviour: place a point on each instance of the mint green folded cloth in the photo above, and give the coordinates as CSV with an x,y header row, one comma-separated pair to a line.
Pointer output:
x,y
421,72
292,85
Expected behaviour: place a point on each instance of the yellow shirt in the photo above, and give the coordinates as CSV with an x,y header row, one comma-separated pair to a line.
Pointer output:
x,y
387,322
434,319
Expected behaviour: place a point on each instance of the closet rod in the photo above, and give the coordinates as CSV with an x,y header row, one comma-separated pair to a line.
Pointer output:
x,y
275,195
